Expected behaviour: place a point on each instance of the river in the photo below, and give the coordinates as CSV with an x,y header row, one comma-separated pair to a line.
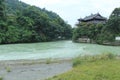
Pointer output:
x,y
58,49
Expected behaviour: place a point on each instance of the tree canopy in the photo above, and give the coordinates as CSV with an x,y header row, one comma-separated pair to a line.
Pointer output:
x,y
20,22
100,33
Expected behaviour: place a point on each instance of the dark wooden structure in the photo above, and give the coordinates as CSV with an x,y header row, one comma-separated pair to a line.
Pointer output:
x,y
93,18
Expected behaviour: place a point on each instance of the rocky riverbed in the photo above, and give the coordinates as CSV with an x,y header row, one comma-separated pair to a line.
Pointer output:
x,y
32,69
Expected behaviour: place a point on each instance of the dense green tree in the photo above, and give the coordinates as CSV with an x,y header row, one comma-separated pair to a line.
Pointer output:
x,y
100,33
112,27
20,22
12,35
2,10
113,23
87,30
3,25
115,13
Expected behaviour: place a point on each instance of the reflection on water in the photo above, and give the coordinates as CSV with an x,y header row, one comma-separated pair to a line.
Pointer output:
x,y
58,49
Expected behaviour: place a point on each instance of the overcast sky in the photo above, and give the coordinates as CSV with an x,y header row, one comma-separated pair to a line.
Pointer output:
x,y
71,10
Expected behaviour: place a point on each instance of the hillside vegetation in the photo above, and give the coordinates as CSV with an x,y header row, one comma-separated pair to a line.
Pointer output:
x,y
20,22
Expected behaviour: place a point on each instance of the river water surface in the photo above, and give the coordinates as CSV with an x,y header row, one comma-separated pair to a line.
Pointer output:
x,y
58,49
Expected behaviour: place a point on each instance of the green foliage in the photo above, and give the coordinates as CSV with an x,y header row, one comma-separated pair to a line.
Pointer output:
x,y
8,69
113,24
112,28
2,10
1,78
12,35
100,33
48,61
115,13
92,58
87,30
99,67
20,22
105,36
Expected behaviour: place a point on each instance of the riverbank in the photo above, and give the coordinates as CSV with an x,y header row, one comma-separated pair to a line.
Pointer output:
x,y
32,69
99,67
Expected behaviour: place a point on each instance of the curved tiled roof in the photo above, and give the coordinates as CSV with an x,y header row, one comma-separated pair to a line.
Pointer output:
x,y
93,16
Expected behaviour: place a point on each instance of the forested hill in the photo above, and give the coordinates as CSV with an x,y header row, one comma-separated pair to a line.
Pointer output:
x,y
20,22
15,6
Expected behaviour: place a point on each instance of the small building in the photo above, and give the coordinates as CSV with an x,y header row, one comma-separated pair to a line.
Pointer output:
x,y
93,18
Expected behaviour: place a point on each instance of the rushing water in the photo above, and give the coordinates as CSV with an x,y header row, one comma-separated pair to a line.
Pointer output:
x,y
58,49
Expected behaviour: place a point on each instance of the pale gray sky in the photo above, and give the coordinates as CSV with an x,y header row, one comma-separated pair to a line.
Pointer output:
x,y
71,10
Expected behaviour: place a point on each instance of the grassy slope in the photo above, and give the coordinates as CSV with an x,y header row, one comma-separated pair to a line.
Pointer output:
x,y
93,69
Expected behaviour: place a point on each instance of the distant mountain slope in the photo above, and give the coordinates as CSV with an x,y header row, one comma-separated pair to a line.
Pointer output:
x,y
15,5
